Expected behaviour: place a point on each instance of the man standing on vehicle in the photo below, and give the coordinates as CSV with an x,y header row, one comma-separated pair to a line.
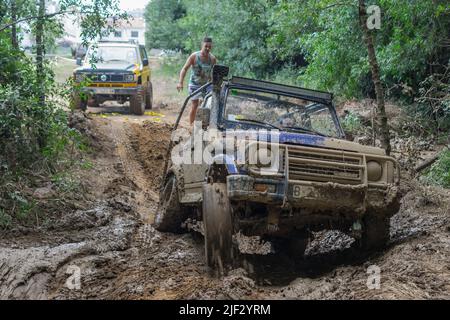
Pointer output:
x,y
201,63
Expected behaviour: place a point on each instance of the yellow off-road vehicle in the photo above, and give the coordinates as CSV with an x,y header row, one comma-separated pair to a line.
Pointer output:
x,y
114,71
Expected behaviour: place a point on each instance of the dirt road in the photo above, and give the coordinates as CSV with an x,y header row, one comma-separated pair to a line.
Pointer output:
x,y
110,243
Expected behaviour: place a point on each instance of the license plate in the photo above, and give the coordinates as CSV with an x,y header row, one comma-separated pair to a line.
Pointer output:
x,y
104,90
296,192
304,192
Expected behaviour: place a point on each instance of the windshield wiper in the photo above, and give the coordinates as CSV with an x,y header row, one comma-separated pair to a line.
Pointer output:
x,y
260,122
305,130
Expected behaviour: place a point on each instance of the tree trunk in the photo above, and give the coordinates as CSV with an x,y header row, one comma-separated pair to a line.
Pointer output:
x,y
14,41
40,50
379,90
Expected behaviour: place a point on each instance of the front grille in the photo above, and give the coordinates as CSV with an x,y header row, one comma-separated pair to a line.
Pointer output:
x,y
317,165
97,77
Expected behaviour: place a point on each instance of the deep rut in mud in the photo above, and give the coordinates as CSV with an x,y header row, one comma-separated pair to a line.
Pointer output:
x,y
121,256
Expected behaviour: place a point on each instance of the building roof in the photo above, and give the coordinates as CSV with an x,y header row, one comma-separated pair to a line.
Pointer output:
x,y
133,23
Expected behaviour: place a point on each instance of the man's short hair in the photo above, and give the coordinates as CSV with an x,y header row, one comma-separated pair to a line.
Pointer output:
x,y
207,39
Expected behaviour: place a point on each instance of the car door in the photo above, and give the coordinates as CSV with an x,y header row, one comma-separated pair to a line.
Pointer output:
x,y
146,73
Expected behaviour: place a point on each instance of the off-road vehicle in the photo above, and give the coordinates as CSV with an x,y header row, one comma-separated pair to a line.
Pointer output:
x,y
320,181
117,71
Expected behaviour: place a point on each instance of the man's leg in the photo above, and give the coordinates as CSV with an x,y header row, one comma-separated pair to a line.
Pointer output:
x,y
193,111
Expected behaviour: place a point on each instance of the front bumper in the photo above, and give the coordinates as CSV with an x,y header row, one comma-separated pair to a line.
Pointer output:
x,y
111,91
314,196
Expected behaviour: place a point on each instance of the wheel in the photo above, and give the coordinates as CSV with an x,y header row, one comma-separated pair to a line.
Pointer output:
x,y
93,102
293,246
79,102
375,232
149,96
169,214
137,103
218,226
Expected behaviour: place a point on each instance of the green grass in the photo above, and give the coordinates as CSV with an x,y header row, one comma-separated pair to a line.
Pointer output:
x,y
63,69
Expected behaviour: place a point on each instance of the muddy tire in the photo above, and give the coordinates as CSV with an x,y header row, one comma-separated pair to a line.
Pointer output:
x,y
149,96
218,226
375,233
169,215
93,103
137,103
294,246
79,102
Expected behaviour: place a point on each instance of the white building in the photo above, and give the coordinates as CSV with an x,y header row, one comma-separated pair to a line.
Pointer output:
x,y
125,31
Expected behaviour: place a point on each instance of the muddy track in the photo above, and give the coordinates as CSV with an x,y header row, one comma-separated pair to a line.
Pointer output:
x,y
121,256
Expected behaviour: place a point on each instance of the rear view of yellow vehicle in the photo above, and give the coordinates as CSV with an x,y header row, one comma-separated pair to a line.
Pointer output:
x,y
114,71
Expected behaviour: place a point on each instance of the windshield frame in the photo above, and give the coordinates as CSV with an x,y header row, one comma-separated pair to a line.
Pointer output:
x,y
232,123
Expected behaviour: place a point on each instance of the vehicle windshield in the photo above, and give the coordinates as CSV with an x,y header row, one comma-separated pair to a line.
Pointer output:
x,y
113,54
283,112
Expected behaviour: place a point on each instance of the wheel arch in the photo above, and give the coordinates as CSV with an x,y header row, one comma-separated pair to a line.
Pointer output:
x,y
222,165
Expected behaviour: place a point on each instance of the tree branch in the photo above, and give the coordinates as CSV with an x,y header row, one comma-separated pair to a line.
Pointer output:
x,y
46,16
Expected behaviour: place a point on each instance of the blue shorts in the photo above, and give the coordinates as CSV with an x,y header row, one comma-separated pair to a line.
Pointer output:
x,y
193,87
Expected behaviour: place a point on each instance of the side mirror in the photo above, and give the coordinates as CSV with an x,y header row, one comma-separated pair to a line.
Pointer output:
x,y
145,62
79,62
203,115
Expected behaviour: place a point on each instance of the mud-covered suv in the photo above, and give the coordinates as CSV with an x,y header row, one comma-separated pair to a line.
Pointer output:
x,y
117,71
316,180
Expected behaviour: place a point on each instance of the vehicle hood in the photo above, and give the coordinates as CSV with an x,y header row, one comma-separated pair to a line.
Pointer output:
x,y
326,142
311,140
107,67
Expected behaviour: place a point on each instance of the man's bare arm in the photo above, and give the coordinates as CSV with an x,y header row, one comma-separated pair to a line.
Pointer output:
x,y
183,72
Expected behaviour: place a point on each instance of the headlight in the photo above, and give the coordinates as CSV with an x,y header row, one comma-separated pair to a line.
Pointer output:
x,y
79,77
374,170
129,77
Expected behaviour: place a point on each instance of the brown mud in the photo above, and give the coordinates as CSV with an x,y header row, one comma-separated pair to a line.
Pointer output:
x,y
109,237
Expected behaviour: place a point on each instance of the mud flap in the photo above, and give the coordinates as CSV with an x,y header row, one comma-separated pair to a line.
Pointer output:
x,y
218,226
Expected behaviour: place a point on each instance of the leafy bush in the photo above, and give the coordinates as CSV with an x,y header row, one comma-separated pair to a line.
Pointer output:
x,y
439,172
351,123
35,138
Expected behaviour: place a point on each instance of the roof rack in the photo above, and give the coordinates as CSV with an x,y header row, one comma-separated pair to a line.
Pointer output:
x,y
271,86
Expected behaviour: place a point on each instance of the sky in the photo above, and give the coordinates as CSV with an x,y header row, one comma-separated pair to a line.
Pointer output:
x,y
133,4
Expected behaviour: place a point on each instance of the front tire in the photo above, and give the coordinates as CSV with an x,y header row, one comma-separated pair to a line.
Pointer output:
x,y
169,215
137,103
93,102
293,246
218,226
149,96
375,233
79,102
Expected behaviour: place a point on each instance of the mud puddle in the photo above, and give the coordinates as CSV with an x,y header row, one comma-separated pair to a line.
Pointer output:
x,y
119,255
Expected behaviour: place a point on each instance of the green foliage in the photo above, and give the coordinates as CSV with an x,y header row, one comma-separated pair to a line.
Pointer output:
x,y
351,123
162,18
5,219
239,29
170,66
35,137
319,42
439,172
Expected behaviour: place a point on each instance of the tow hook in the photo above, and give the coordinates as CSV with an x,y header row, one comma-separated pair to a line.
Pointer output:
x,y
357,229
273,219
